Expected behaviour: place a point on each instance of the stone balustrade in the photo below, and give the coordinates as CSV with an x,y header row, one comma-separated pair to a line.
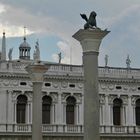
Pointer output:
x,y
74,70
120,129
45,128
69,129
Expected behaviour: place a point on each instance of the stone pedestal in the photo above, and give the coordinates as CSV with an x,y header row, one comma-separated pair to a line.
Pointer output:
x,y
90,41
36,72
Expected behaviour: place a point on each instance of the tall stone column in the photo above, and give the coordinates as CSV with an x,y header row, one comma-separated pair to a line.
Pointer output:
x,y
90,41
36,72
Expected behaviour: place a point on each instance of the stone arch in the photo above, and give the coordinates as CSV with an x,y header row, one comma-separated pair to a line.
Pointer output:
x,y
21,108
137,111
46,109
70,109
117,111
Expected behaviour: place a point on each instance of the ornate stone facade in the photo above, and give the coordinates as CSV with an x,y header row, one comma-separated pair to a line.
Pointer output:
x,y
61,82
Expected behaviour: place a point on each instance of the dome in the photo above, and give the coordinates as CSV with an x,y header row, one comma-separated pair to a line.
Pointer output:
x,y
24,44
24,50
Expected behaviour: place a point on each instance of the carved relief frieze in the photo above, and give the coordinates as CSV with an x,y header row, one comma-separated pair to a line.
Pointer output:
x,y
80,85
111,86
15,82
6,82
9,82
55,84
64,84
133,88
103,86
125,87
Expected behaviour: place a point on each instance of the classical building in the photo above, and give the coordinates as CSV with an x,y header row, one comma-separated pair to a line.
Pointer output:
x,y
62,100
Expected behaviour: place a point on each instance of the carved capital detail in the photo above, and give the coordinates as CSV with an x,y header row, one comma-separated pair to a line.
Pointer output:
x,y
102,98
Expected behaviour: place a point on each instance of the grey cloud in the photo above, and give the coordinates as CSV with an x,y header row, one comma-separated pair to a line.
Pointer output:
x,y
124,38
62,19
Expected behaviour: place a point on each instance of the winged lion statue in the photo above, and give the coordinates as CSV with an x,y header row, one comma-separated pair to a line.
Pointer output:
x,y
91,21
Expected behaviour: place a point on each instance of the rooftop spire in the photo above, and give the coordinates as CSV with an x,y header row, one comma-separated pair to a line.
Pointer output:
x,y
3,53
24,33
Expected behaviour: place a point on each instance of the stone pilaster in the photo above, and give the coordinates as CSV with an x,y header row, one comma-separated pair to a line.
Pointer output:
x,y
90,41
36,72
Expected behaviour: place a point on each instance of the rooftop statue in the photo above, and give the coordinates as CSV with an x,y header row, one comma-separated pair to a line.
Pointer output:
x,y
10,54
36,54
106,60
128,61
91,21
60,57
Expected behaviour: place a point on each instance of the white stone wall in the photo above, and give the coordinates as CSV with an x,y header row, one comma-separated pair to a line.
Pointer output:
x,y
60,77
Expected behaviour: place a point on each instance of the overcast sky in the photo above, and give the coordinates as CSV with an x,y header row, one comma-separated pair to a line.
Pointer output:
x,y
54,22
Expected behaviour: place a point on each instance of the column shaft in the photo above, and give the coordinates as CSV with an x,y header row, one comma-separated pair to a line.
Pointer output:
x,y
107,112
90,41
37,111
91,98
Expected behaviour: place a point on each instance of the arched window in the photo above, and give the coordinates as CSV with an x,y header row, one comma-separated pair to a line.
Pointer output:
x,y
21,108
46,109
137,110
117,106
70,110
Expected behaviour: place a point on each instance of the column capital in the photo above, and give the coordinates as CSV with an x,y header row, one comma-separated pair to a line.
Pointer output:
x,y
90,39
36,71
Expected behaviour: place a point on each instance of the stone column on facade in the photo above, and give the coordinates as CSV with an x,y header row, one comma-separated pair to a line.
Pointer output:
x,y
124,115
10,108
36,72
107,111
101,114
59,110
77,114
28,112
64,113
134,115
53,120
15,112
90,41
111,114
130,112
7,107
82,111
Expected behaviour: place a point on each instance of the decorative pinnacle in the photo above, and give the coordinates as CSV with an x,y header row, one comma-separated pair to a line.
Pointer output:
x,y
24,33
